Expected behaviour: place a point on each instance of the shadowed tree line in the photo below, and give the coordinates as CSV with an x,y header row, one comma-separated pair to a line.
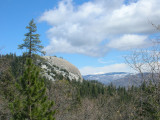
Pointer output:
x,y
89,100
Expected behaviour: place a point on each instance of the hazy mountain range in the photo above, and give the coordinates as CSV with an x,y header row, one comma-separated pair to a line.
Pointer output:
x,y
117,78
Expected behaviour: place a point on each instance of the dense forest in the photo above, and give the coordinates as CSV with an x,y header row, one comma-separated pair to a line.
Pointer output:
x,y
87,100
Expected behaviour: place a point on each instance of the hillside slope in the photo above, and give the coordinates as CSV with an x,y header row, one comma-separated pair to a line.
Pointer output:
x,y
54,66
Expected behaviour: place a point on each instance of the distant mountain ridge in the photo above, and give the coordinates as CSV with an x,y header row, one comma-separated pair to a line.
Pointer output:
x,y
122,79
106,78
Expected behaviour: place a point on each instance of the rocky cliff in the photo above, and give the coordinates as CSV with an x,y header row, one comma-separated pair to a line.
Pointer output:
x,y
57,68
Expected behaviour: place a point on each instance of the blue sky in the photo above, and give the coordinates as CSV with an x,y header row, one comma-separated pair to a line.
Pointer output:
x,y
94,35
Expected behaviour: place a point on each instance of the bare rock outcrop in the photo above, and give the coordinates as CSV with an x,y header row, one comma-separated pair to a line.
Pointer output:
x,y
57,67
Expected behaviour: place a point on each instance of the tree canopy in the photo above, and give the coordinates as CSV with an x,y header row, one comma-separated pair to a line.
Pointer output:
x,y
32,42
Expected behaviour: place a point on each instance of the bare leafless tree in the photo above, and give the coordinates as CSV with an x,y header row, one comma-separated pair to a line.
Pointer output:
x,y
147,60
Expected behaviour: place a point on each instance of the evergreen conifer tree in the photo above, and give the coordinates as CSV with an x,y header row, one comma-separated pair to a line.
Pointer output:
x,y
32,103
32,42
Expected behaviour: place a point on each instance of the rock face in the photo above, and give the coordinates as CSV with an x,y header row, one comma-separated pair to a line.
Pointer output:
x,y
58,68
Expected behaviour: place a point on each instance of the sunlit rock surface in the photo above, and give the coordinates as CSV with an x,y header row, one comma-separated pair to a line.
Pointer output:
x,y
58,68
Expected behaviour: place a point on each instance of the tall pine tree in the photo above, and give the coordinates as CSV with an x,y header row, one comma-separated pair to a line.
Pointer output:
x,y
31,103
32,42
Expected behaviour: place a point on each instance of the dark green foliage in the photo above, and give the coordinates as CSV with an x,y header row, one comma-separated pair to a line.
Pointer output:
x,y
32,42
73,99
89,88
7,85
7,79
31,103
17,65
111,90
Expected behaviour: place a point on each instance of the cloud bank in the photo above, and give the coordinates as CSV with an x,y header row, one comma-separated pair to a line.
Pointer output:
x,y
95,27
122,67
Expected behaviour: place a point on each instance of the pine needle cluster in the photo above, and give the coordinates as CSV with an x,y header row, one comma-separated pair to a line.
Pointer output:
x,y
32,102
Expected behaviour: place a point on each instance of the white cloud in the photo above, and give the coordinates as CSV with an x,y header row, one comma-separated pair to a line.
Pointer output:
x,y
85,28
127,42
122,67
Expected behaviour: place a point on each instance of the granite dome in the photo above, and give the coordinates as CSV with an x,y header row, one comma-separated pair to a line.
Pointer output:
x,y
63,67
